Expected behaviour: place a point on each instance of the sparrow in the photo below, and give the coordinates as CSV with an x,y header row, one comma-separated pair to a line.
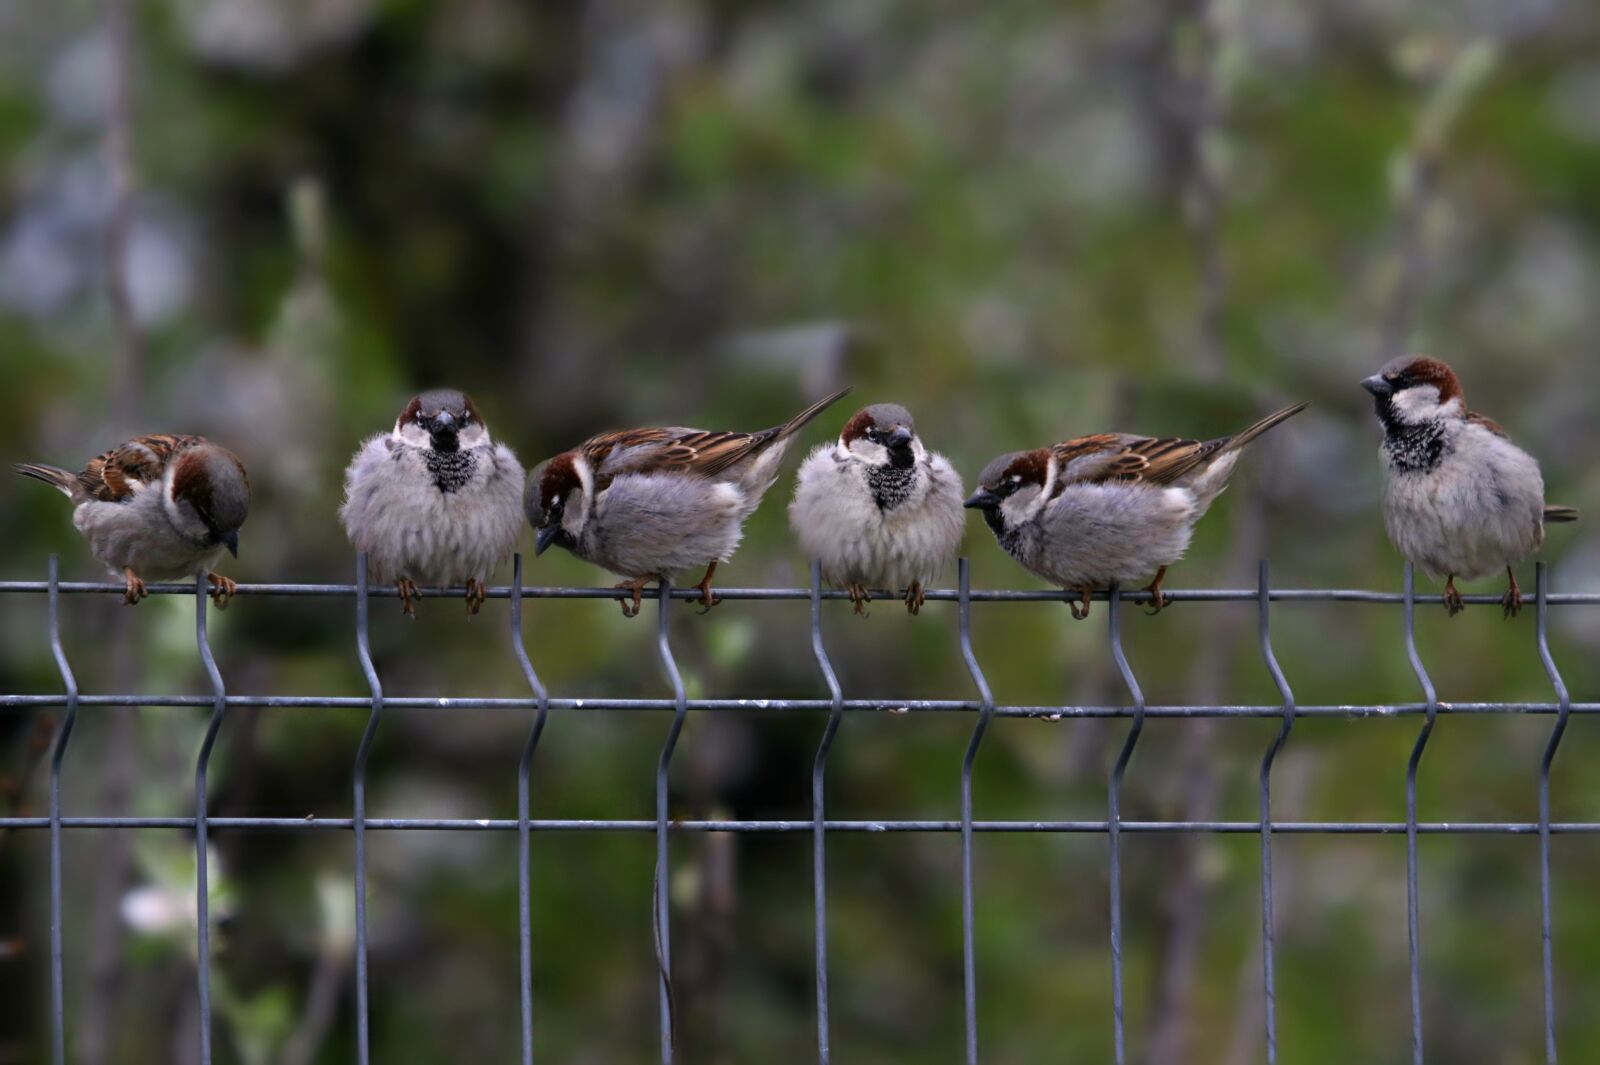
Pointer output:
x,y
646,503
1109,508
1459,498
160,507
877,508
434,501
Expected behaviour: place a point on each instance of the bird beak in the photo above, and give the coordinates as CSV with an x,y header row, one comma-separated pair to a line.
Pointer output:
x,y
444,422
1377,386
544,538
231,539
983,499
900,438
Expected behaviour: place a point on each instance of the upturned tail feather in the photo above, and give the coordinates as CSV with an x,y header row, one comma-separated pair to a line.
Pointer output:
x,y
1245,436
54,476
1555,513
799,421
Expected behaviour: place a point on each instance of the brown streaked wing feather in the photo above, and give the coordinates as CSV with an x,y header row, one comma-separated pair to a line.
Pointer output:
x,y
1122,457
111,476
1488,423
675,450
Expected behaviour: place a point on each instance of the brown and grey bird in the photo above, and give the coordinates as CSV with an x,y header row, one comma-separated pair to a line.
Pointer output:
x,y
1109,508
877,509
160,507
648,503
1459,498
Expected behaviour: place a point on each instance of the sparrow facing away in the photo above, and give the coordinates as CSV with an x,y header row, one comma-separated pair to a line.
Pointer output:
x,y
878,509
1459,498
1109,508
160,507
646,503
435,501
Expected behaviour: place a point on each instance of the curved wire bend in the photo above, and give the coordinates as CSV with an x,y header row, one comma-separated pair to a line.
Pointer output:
x,y
359,795
202,887
819,877
524,771
58,1025
1412,901
1114,821
1268,926
1560,686
968,947
663,930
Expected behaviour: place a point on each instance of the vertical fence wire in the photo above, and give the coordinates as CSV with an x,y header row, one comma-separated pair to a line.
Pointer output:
x,y
1412,901
358,787
524,771
1269,987
969,962
58,1008
819,844
662,883
1543,593
202,884
1114,819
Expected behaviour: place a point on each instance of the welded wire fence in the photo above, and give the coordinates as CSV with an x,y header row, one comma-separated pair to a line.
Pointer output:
x,y
983,709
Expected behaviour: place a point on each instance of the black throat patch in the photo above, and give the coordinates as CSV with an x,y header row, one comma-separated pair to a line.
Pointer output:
x,y
1415,448
891,485
451,470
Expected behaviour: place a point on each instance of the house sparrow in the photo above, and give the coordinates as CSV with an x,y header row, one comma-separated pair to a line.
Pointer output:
x,y
435,501
1459,498
160,507
645,503
1109,508
878,509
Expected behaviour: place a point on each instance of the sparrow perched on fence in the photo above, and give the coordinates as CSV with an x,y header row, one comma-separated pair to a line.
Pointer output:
x,y
646,503
1108,508
435,501
878,509
160,507
1459,498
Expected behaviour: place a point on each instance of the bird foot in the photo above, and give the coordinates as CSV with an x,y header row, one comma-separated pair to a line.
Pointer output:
x,y
635,586
707,598
222,589
1511,602
1452,598
1080,608
859,598
477,592
133,587
915,597
1158,601
408,596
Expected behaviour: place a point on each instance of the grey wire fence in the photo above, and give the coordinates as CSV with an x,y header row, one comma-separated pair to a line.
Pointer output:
x,y
983,710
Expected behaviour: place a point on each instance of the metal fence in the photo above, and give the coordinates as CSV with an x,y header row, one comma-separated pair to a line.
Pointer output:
x,y
983,710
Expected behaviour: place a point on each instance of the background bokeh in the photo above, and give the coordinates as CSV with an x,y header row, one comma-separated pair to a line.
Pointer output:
x,y
1023,220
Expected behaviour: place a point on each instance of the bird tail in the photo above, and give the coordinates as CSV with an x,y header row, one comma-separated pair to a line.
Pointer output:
x,y
1555,513
54,476
799,421
1245,436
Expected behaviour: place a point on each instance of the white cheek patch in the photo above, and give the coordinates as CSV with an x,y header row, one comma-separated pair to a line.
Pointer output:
x,y
866,451
1421,403
474,435
1022,505
413,435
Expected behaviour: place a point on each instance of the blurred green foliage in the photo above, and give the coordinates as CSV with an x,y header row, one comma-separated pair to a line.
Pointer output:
x,y
594,213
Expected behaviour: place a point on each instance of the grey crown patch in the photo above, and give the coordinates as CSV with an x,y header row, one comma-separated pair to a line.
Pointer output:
x,y
1416,448
451,470
890,485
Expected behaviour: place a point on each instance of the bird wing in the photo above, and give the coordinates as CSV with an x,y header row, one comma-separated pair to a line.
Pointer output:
x,y
1106,457
115,475
700,452
1488,423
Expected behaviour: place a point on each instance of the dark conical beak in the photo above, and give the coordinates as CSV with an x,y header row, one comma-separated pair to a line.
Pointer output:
x,y
1377,386
231,539
544,538
900,438
982,499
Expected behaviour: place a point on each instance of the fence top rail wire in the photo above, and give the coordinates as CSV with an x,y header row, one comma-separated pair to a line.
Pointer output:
x,y
950,595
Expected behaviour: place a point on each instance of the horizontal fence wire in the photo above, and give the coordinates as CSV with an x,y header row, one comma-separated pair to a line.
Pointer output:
x,y
1430,709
